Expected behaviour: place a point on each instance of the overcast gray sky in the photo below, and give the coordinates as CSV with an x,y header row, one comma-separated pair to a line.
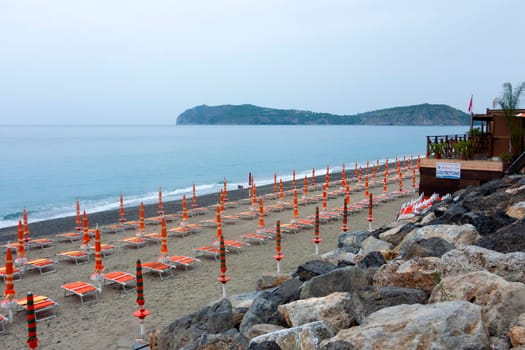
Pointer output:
x,y
145,62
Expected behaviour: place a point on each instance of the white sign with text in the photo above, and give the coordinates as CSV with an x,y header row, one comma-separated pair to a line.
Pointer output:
x,y
448,170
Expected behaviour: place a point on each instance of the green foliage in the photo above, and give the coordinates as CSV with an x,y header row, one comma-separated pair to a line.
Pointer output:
x,y
506,157
424,114
437,148
465,148
474,132
509,102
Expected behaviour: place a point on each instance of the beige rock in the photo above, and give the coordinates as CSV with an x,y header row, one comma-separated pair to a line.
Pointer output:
x,y
262,328
516,211
334,309
517,336
501,302
372,244
417,273
271,279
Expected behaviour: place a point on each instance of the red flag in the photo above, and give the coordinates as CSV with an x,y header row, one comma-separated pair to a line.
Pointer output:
x,y
470,105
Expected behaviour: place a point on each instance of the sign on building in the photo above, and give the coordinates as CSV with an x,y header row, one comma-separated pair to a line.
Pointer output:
x,y
448,170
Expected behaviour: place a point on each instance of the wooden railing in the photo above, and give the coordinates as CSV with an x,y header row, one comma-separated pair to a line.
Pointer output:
x,y
460,146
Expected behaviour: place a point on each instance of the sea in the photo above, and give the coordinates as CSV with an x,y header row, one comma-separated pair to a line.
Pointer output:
x,y
46,169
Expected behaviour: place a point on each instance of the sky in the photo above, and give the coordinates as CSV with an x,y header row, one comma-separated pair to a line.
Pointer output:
x,y
145,62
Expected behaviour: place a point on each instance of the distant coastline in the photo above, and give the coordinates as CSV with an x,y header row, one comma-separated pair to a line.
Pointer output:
x,y
422,115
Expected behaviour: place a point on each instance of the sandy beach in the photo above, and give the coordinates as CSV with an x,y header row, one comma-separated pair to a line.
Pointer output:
x,y
109,324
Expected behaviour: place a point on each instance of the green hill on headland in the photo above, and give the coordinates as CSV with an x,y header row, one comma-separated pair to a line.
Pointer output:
x,y
423,114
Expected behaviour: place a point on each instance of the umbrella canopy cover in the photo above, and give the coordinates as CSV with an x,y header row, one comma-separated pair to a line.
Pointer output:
x,y
9,291
32,340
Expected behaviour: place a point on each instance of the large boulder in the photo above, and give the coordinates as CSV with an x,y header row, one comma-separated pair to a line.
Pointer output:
x,y
419,273
372,259
351,241
344,279
449,325
433,246
516,211
510,238
271,279
334,309
230,339
457,235
372,244
396,234
261,328
264,307
313,268
510,266
339,256
304,337
370,299
501,302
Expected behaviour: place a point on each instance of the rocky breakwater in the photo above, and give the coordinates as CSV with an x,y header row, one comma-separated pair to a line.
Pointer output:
x,y
450,278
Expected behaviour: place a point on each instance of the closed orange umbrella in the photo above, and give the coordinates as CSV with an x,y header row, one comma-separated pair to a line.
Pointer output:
x,y
366,186
261,214
164,242
184,210
295,208
370,216
344,227
218,221
386,166
413,179
193,197
325,207
26,227
313,178
161,210
225,194
274,182
347,194
327,176
385,183
9,291
142,227
142,312
281,192
316,240
293,179
343,176
254,197
305,186
78,220
85,238
20,249
99,266
223,279
122,219
221,200
278,256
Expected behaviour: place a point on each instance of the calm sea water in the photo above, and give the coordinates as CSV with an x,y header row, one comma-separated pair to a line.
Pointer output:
x,y
47,168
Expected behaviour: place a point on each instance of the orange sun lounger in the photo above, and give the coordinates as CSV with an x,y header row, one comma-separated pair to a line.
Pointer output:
x,y
153,236
40,243
164,270
237,245
123,279
69,236
83,290
42,305
254,237
76,255
17,274
44,265
179,231
105,249
184,261
135,242
208,251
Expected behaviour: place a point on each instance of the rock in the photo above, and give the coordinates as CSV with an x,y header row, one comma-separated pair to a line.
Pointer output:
x,y
334,309
510,266
271,280
433,246
372,259
428,218
370,299
501,302
260,329
218,317
265,345
338,256
351,241
313,268
517,336
231,339
395,235
344,279
264,307
450,325
305,337
419,273
372,244
458,235
486,223
507,239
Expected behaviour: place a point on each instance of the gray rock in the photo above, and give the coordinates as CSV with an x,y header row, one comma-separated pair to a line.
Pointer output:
x,y
372,259
305,337
265,345
434,246
344,279
508,239
313,268
260,329
339,256
449,325
368,300
352,240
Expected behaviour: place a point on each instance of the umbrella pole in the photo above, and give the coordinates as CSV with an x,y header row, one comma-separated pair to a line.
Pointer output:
x,y
224,290
278,267
317,249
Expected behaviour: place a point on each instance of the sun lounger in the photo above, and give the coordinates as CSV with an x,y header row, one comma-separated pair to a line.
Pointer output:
x,y
105,249
124,279
42,305
156,220
76,255
164,270
3,321
69,236
135,242
230,219
40,243
208,223
236,245
153,237
179,231
255,237
195,228
44,265
290,228
305,223
83,290
184,261
13,246
249,215
207,251
17,274
115,228
199,211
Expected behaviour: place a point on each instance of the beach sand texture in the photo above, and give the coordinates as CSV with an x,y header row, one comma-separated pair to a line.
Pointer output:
x,y
109,324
